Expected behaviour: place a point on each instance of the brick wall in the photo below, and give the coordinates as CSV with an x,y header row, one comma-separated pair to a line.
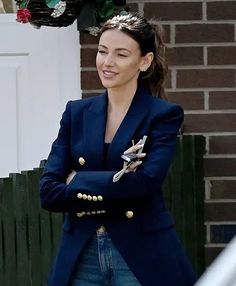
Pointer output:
x,y
201,52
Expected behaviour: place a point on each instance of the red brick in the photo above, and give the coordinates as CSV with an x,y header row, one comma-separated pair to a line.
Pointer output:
x,y
166,33
222,99
185,56
206,78
133,7
88,57
173,11
188,100
222,55
223,10
223,189
167,82
220,167
86,38
223,233
204,33
211,253
220,211
222,144
224,122
90,80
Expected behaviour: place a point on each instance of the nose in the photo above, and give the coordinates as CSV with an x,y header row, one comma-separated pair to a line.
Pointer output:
x,y
109,60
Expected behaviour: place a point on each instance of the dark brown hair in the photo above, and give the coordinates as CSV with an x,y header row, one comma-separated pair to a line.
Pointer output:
x,y
149,35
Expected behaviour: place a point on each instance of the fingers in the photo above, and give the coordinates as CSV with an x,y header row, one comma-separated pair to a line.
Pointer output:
x,y
134,148
70,177
133,166
141,155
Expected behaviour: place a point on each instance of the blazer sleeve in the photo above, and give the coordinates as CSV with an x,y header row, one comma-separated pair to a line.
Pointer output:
x,y
133,186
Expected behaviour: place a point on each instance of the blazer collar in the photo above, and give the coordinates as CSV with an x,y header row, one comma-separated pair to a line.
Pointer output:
x,y
95,125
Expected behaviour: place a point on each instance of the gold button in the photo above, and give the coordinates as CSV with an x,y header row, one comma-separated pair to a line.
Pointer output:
x,y
88,213
90,198
95,198
100,198
129,214
79,196
81,161
85,197
80,214
101,229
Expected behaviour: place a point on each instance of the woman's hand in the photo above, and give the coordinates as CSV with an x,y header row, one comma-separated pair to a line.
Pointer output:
x,y
134,149
70,177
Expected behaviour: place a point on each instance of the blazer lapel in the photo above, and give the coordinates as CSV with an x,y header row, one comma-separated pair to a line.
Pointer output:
x,y
125,133
94,130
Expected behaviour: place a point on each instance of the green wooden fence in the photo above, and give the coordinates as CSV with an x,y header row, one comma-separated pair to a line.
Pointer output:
x,y
184,190
29,235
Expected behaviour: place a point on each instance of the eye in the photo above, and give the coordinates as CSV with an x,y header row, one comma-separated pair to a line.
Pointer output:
x,y
122,55
102,52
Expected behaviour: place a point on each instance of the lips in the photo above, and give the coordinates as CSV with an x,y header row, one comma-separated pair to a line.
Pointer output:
x,y
108,73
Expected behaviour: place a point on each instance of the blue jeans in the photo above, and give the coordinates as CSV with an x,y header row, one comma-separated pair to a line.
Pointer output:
x,y
102,265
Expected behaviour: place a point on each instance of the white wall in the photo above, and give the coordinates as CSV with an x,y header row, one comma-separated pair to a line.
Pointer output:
x,y
39,73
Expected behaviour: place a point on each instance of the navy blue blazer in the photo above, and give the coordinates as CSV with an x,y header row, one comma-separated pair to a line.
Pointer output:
x,y
146,238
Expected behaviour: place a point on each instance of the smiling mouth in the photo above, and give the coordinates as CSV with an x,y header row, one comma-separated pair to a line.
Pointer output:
x,y
108,74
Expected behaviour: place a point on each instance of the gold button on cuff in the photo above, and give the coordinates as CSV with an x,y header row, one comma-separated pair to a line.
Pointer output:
x,y
95,198
100,198
129,214
79,196
101,229
81,161
80,214
85,197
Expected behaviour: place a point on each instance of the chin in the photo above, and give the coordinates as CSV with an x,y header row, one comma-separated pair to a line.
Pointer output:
x,y
108,84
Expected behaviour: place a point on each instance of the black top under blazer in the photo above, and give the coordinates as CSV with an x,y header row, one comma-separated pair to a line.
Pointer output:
x,y
132,210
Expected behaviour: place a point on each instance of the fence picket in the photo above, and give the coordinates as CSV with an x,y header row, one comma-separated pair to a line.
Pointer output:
x,y
32,179
184,194
21,217
8,237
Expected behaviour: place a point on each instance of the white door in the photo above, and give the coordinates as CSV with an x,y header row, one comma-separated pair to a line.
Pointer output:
x,y
39,73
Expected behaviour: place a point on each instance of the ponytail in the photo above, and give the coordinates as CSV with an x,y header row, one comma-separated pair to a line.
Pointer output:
x,y
154,78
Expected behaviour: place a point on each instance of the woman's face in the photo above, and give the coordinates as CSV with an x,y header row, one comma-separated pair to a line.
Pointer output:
x,y
118,59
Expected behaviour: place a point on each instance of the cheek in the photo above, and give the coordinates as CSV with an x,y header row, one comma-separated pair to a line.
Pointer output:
x,y
98,61
133,67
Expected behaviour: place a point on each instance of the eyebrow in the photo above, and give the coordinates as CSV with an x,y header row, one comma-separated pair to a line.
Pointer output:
x,y
118,49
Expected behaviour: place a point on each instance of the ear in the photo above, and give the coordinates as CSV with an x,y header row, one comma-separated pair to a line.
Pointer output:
x,y
146,62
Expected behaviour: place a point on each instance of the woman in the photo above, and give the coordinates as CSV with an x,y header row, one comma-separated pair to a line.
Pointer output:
x,y
117,230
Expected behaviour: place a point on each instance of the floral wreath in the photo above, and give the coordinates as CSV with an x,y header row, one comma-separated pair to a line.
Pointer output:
x,y
89,13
